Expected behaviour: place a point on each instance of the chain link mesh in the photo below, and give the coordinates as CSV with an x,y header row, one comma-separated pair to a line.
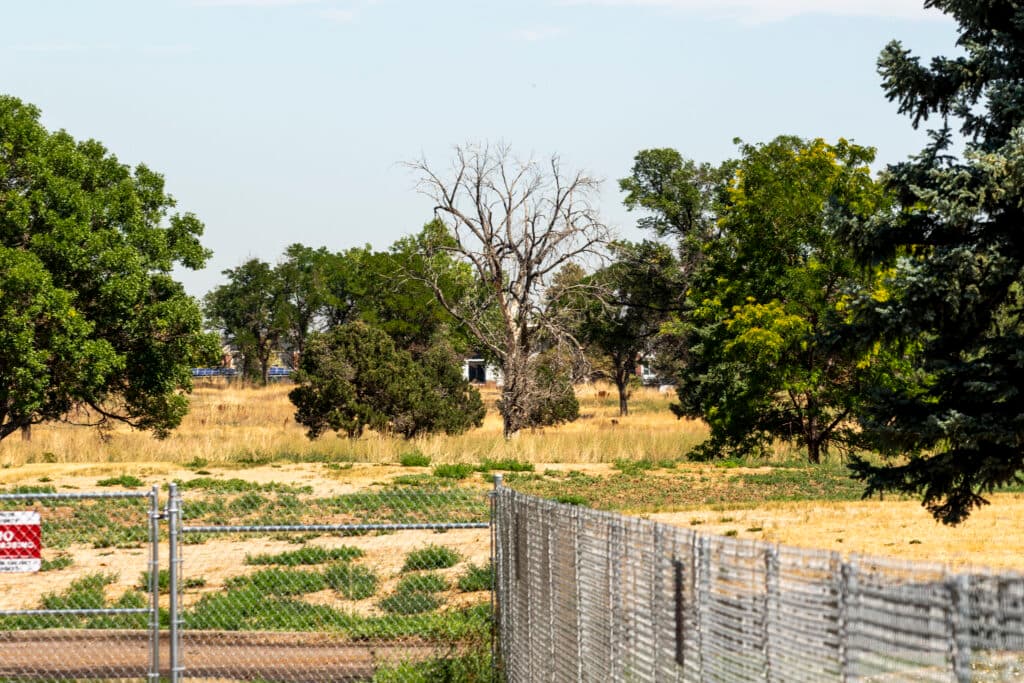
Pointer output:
x,y
387,584
87,609
584,595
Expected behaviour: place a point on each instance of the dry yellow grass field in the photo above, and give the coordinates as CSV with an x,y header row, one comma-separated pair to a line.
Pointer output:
x,y
237,428
230,424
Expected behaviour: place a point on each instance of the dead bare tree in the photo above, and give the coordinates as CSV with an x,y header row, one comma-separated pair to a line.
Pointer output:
x,y
515,223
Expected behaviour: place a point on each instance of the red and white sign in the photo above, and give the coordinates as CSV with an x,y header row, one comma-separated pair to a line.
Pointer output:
x,y
20,542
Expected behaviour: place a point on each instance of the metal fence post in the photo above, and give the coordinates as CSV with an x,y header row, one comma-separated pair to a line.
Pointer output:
x,y
495,564
154,584
771,605
577,552
959,621
847,591
173,525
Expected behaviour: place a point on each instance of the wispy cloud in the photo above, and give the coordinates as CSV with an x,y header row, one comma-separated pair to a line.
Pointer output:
x,y
63,47
538,33
758,11
339,16
169,50
252,3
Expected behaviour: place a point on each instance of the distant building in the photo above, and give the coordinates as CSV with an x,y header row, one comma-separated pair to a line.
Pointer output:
x,y
479,371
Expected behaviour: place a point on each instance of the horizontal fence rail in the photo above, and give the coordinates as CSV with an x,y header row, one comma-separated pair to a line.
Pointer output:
x,y
584,595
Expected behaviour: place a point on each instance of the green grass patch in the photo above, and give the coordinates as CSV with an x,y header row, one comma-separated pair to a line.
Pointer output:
x,y
163,581
414,459
476,578
414,480
506,465
279,582
431,582
248,610
85,592
431,557
571,499
306,556
708,486
409,603
28,488
633,467
352,581
61,561
125,480
472,666
453,470
213,485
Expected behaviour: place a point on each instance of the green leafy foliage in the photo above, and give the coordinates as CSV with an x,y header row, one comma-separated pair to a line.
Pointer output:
x,y
768,349
952,421
251,312
353,377
89,313
625,305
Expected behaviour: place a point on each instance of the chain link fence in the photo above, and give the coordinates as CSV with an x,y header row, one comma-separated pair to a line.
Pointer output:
x,y
78,585
274,582
584,595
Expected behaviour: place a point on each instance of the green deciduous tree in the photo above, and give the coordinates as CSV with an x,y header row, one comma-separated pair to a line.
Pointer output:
x,y
251,310
304,275
89,314
353,377
957,246
625,305
767,355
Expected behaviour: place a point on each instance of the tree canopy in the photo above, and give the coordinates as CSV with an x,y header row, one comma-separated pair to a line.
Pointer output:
x,y
90,316
353,377
955,245
252,311
767,355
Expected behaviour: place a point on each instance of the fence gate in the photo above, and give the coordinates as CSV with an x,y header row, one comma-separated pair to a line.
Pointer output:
x,y
273,582
79,585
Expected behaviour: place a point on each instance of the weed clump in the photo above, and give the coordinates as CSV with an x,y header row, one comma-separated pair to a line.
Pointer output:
x,y
476,578
352,581
431,557
414,459
306,556
453,471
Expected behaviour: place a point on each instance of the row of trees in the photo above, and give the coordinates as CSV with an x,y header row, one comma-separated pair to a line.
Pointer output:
x,y
791,294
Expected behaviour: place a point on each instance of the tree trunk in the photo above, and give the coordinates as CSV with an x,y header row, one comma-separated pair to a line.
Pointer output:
x,y
814,451
26,432
514,399
622,384
811,431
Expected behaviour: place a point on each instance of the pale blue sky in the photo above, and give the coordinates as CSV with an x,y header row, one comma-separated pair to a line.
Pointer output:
x,y
281,121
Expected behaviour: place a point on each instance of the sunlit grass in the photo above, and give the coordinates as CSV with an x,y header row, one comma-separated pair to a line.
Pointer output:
x,y
233,425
